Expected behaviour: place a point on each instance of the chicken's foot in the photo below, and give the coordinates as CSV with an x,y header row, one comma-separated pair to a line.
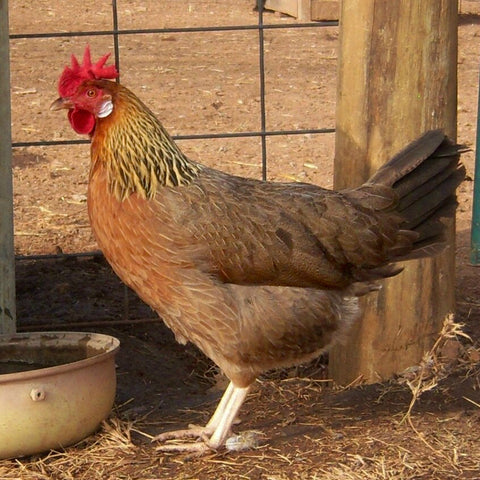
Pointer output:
x,y
215,433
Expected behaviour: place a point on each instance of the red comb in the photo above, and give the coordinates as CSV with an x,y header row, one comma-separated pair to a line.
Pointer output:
x,y
73,76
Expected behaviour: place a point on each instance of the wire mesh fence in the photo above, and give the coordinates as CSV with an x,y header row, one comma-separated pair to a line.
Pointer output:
x,y
151,37
246,91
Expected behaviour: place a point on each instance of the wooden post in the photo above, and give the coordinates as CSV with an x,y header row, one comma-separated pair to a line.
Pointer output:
x,y
300,9
397,79
304,10
7,261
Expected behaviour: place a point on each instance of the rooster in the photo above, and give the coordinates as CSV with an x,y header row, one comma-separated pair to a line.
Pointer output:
x,y
258,275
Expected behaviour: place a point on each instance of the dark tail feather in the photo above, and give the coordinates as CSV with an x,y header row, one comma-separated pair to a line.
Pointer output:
x,y
424,176
408,159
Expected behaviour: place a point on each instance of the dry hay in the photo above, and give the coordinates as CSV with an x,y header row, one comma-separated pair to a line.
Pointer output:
x,y
312,431
435,363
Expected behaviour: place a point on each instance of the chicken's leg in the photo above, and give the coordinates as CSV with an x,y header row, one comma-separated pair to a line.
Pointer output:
x,y
214,434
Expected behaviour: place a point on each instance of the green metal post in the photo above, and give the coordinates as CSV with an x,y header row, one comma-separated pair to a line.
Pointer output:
x,y
475,234
7,259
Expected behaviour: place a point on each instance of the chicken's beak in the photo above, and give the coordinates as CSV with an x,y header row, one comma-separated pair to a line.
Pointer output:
x,y
60,103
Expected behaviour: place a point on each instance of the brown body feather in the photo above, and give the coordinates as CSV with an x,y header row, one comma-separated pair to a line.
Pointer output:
x,y
258,275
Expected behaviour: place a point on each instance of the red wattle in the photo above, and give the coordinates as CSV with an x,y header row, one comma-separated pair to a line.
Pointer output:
x,y
82,122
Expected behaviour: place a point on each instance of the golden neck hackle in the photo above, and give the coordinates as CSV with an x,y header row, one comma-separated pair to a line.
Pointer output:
x,y
137,152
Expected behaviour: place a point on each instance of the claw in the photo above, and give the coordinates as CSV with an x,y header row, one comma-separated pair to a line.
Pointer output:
x,y
214,434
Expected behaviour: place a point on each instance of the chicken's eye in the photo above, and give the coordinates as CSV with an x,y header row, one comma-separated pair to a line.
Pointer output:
x,y
91,92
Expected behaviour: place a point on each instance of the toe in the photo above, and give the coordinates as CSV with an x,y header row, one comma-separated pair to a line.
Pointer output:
x,y
197,448
195,432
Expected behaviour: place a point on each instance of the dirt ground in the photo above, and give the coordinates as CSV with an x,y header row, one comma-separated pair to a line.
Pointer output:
x,y
208,83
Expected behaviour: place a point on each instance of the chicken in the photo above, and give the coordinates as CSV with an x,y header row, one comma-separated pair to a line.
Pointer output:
x,y
258,275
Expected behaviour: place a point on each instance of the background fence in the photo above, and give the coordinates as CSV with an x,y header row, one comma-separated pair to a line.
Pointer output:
x,y
239,89
27,137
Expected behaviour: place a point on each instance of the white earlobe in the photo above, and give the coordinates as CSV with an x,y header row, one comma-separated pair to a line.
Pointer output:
x,y
105,109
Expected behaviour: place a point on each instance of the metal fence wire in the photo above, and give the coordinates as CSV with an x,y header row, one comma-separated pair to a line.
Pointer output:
x,y
116,33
